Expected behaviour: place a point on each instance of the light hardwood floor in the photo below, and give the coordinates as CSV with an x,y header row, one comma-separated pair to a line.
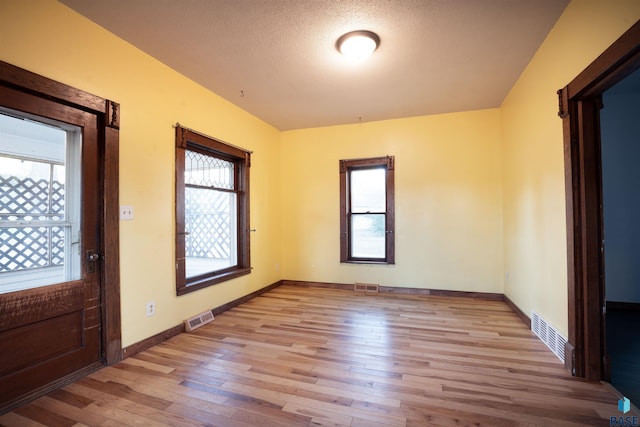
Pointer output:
x,y
299,356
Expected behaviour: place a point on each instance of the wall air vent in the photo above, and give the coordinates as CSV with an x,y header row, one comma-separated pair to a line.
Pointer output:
x,y
365,287
198,320
549,335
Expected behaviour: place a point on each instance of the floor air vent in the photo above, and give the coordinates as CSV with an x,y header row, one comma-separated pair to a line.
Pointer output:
x,y
365,287
199,320
549,335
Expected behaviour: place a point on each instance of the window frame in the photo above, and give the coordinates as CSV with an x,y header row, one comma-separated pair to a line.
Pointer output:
x,y
346,166
189,140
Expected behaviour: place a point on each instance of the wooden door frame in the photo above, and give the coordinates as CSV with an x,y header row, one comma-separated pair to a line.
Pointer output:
x,y
108,114
580,102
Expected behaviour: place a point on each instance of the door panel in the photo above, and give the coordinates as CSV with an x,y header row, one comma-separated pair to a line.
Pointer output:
x,y
49,332
28,336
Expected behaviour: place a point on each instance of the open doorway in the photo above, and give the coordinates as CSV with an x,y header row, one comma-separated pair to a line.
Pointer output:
x,y
581,103
620,156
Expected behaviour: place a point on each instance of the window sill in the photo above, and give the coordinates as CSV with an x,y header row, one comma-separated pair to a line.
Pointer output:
x,y
367,262
210,281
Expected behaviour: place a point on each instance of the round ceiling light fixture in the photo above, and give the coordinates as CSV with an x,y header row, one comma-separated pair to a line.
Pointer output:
x,y
358,45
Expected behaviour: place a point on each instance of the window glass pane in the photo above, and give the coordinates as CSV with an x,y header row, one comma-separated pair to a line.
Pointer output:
x,y
37,225
368,190
210,221
57,193
208,171
368,236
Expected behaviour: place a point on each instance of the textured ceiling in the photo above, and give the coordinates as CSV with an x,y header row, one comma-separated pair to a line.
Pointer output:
x,y
277,58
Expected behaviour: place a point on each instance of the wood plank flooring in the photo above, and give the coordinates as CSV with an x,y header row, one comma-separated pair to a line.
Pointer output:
x,y
623,348
299,356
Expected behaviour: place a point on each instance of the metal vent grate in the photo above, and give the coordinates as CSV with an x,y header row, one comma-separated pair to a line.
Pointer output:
x,y
549,335
199,320
366,287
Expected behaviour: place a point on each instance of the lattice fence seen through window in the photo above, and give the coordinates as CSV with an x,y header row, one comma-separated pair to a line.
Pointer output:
x,y
208,221
24,246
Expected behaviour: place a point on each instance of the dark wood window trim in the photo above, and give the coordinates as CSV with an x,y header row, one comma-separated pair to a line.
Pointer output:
x,y
109,114
187,139
580,103
388,163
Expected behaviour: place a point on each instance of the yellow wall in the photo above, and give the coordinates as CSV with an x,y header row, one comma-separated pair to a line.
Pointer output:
x,y
478,193
448,201
49,39
532,150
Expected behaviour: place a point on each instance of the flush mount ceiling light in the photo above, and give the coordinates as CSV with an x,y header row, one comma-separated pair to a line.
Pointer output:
x,y
358,45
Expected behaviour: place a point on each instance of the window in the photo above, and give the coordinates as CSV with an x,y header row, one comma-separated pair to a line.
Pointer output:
x,y
367,210
212,211
39,201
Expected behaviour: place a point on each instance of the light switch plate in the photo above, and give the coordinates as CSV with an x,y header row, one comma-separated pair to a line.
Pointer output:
x,y
126,213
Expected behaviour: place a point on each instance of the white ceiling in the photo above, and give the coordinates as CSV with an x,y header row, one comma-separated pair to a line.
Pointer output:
x,y
277,58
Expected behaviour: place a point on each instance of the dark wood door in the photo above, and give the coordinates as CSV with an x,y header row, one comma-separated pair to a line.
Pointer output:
x,y
49,332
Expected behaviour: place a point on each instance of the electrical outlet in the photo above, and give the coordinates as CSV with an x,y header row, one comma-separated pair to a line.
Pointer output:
x,y
126,213
151,308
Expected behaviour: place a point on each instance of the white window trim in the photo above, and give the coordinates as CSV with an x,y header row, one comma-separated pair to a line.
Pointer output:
x,y
12,281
